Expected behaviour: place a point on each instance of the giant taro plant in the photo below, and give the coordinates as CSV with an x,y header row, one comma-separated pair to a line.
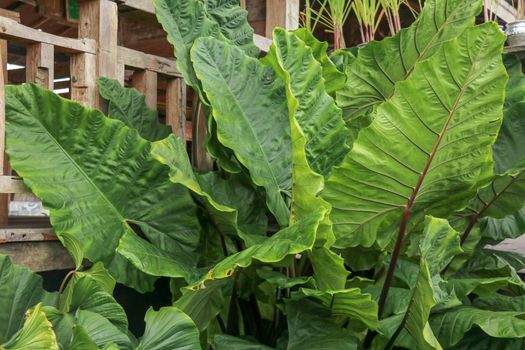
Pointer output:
x,y
356,201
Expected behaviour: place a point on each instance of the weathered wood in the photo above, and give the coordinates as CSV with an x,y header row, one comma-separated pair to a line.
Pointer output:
x,y
243,4
15,16
38,256
176,106
201,158
12,30
52,9
142,5
12,234
262,42
84,79
281,13
98,20
40,65
146,82
140,60
503,10
12,184
4,167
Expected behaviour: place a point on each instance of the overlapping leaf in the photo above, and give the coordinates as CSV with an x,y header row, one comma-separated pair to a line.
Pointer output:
x,y
186,20
129,106
429,147
380,65
250,110
96,176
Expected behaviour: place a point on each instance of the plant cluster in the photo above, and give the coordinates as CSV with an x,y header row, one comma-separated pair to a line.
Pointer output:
x,y
354,204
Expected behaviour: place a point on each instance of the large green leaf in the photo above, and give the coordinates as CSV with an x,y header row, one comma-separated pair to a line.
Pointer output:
x,y
371,78
129,106
233,23
511,226
20,289
187,20
311,326
250,109
450,326
101,331
334,79
36,334
439,245
429,147
351,303
169,329
227,342
97,177
313,109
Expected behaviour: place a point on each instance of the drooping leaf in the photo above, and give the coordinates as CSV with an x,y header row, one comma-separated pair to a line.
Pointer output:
x,y
240,91
450,326
74,248
311,326
371,78
85,293
81,340
169,329
129,106
97,178
351,303
98,273
203,305
101,331
20,289
424,150
280,280
289,241
227,342
329,269
510,226
36,334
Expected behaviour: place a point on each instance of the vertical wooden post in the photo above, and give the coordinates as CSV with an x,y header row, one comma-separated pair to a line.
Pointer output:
x,y
4,166
40,64
146,82
243,4
201,159
121,73
176,106
84,80
281,13
98,20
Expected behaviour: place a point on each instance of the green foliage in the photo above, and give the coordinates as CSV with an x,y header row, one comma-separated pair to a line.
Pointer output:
x,y
359,222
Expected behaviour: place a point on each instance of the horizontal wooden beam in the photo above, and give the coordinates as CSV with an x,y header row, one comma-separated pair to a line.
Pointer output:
x,y
140,60
12,30
12,184
10,235
262,42
38,256
141,5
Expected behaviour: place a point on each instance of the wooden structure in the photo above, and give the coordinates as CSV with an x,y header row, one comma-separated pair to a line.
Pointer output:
x,y
65,45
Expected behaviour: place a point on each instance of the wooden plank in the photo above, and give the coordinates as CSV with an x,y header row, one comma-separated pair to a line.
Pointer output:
x,y
98,20
84,79
140,60
281,13
15,16
201,158
4,167
12,184
141,5
262,42
503,10
243,4
176,106
40,65
38,256
12,30
12,234
146,82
